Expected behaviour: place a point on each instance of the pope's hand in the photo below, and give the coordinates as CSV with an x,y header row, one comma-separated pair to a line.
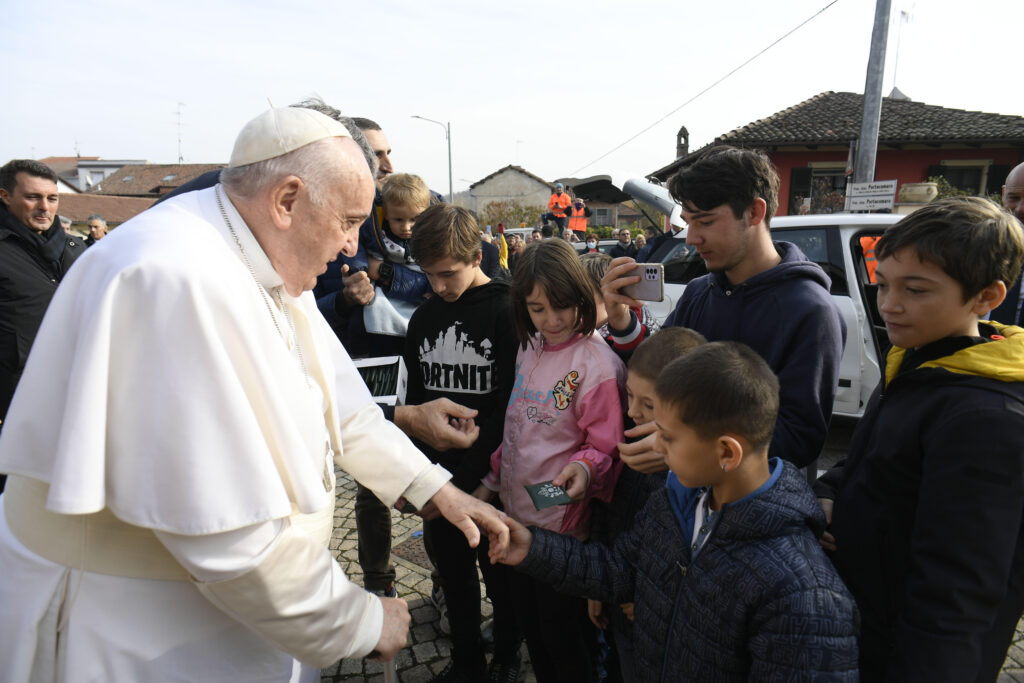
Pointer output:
x,y
467,512
395,631
442,424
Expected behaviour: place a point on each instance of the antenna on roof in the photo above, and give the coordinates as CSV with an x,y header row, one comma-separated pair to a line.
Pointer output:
x,y
181,159
905,18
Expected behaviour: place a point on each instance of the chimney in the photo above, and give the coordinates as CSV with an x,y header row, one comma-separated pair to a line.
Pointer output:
x,y
682,142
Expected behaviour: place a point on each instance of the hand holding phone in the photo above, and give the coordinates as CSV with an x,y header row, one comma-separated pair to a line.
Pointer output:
x,y
652,282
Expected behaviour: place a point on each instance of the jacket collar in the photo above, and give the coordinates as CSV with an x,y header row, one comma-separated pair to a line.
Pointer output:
x,y
50,244
1001,357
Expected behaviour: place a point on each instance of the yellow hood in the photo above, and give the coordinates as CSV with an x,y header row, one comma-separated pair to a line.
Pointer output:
x,y
1001,359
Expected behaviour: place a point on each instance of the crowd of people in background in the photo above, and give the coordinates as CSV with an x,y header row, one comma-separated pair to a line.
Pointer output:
x,y
640,487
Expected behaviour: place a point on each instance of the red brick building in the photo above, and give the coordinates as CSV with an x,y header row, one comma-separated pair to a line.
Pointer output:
x,y
810,144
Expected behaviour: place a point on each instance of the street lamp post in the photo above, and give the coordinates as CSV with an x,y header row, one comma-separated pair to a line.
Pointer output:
x,y
448,137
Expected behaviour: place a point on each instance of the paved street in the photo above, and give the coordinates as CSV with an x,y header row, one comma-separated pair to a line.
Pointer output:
x,y
428,649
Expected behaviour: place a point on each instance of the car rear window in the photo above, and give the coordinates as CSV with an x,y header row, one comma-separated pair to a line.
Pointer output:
x,y
821,245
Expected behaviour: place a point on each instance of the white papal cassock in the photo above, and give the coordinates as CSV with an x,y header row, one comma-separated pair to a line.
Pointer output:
x,y
176,428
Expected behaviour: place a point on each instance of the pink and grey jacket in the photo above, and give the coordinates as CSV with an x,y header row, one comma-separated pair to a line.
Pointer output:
x,y
566,406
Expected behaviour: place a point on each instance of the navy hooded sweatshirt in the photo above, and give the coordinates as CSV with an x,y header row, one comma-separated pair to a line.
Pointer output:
x,y
787,315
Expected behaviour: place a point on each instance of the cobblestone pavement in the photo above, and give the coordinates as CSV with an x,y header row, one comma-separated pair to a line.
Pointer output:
x,y
428,649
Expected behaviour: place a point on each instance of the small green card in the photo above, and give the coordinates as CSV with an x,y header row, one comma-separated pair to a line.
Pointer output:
x,y
545,494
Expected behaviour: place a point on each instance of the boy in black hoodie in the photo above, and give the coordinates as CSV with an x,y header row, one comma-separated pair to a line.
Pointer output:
x,y
461,345
926,512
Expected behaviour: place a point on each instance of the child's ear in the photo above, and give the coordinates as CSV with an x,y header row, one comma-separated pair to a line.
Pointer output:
x,y
990,297
730,453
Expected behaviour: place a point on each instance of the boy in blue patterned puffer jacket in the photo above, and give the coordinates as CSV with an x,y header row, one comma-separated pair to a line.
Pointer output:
x,y
723,564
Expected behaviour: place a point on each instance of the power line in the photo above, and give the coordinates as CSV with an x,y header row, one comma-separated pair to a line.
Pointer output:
x,y
773,44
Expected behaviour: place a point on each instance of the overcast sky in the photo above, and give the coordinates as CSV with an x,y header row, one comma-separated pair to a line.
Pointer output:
x,y
521,82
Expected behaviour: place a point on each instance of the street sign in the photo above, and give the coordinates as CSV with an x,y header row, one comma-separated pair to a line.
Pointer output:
x,y
873,196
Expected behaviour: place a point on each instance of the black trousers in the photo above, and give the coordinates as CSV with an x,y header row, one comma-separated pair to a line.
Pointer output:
x,y
559,636
456,566
373,530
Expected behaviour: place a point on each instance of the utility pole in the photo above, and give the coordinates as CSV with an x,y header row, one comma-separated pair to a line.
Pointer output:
x,y
867,147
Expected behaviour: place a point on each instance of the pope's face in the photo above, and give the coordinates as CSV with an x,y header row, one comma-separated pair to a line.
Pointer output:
x,y
322,232
33,201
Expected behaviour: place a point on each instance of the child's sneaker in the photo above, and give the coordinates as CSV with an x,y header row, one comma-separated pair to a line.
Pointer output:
x,y
507,671
389,592
451,674
441,605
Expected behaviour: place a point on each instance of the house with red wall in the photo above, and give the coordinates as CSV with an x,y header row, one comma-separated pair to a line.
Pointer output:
x,y
812,145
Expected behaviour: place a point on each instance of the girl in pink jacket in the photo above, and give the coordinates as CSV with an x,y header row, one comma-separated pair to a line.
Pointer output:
x,y
563,424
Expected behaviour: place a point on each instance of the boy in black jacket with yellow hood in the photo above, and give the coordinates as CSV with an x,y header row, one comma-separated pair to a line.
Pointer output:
x,y
926,512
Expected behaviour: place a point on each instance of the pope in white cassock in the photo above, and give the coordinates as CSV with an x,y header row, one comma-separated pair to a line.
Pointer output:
x,y
171,487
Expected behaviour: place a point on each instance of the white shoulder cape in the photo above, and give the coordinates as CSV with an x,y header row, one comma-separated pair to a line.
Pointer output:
x,y
159,387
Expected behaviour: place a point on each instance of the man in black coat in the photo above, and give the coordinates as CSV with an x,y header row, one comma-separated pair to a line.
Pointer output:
x,y
625,247
1010,310
35,253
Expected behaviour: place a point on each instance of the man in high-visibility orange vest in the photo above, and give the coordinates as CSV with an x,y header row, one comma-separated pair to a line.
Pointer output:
x,y
558,204
867,245
578,214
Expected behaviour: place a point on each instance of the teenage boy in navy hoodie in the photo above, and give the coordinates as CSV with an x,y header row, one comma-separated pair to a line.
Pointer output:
x,y
765,294
926,512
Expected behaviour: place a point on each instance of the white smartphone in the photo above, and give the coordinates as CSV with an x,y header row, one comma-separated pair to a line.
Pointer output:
x,y
652,282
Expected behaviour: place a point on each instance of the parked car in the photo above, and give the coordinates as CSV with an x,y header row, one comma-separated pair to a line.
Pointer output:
x,y
833,241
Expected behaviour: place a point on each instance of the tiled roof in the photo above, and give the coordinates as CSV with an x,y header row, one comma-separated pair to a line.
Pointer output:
x,y
150,180
510,167
62,165
835,118
115,210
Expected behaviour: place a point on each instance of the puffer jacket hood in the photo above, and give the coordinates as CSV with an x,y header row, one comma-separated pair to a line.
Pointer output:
x,y
1001,359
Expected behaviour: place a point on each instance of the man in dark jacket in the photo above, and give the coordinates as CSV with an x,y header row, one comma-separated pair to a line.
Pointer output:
x,y
35,253
625,247
767,295
1010,310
